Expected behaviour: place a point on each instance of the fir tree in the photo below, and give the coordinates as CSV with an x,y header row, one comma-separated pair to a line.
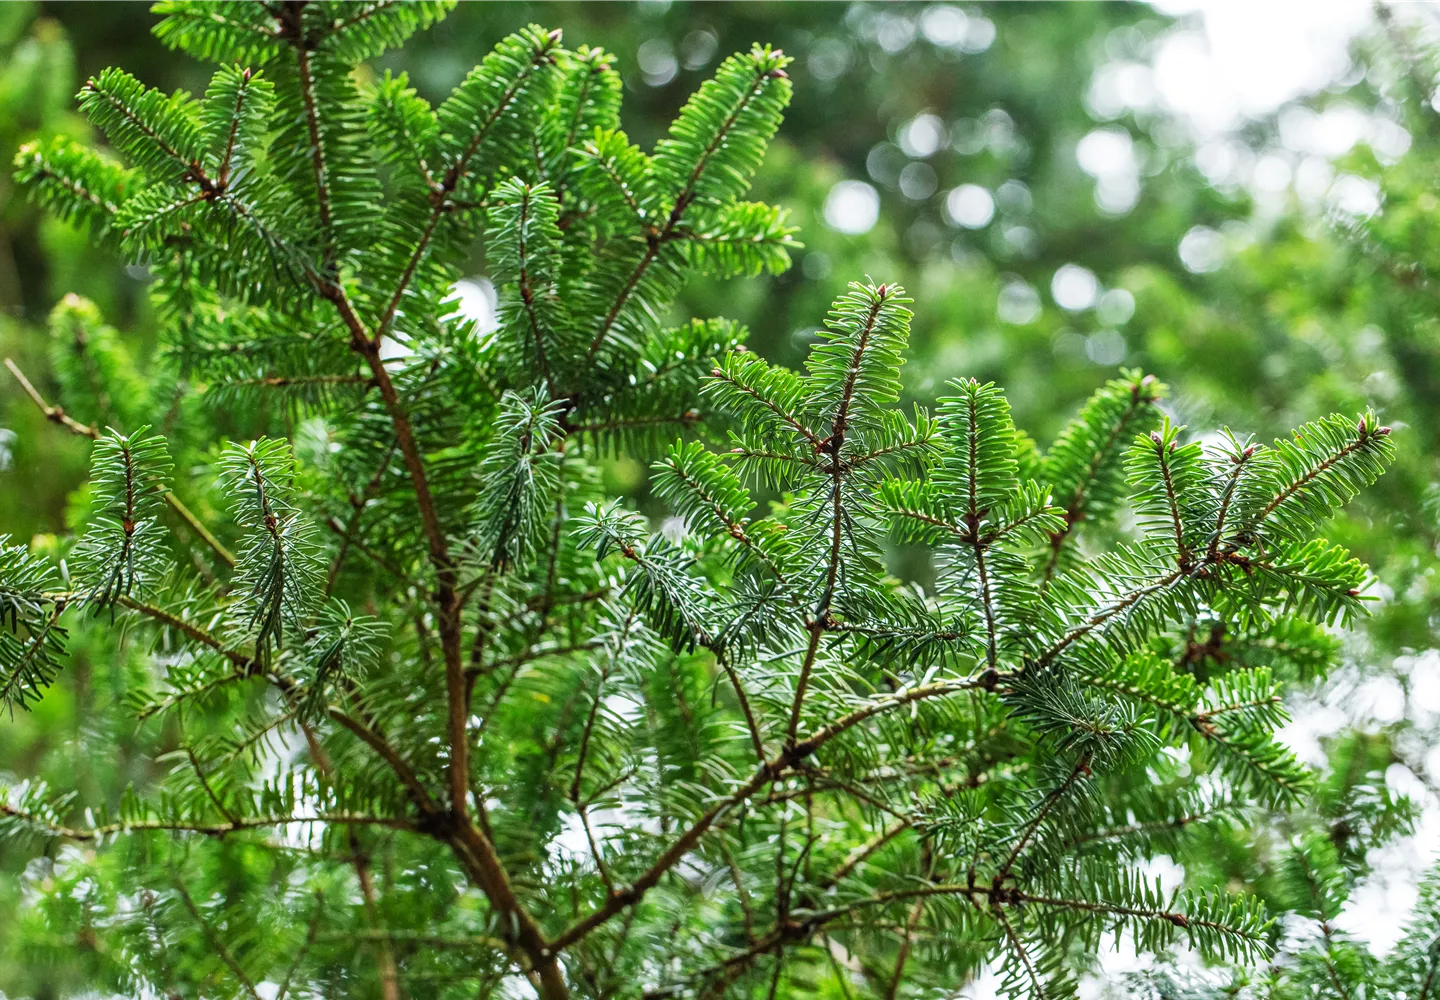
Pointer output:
x,y
439,712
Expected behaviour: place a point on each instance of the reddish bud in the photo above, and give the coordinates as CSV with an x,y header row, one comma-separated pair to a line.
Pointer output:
x,y
1155,436
1382,431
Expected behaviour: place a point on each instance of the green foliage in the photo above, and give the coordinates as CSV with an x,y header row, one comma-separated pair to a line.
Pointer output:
x,y
32,642
276,570
728,752
123,550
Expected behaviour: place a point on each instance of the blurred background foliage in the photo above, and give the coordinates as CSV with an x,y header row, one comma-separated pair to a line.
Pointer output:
x,y
1017,168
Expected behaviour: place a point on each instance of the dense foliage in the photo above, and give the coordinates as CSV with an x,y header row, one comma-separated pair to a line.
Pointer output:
x,y
432,709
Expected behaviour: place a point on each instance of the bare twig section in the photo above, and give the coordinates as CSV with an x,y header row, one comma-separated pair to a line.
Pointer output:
x,y
54,414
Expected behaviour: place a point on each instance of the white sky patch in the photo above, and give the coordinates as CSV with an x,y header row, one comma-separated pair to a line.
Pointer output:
x,y
852,207
1074,288
1246,59
475,299
922,136
985,986
1224,64
1108,155
970,206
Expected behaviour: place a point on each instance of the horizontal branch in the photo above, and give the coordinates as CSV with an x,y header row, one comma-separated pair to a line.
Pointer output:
x,y
236,825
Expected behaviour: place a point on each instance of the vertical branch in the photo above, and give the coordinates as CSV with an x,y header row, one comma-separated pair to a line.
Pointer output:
x,y
677,213
310,937
972,522
1162,456
1019,947
903,956
1075,509
832,446
384,956
472,846
527,294
441,197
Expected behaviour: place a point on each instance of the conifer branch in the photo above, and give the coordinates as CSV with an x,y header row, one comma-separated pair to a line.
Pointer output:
x,y
1020,952
447,599
993,898
862,852
1081,767
384,956
217,944
188,629
310,937
246,668
198,526
683,199
757,742
1129,830
235,824
1366,434
293,32
1141,394
1239,466
29,668
442,197
262,206
233,134
527,292
973,514
773,769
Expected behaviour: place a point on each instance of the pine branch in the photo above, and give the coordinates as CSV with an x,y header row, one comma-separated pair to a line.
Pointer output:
x,y
1078,465
743,82
239,824
299,221
772,770
442,199
1080,768
217,944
